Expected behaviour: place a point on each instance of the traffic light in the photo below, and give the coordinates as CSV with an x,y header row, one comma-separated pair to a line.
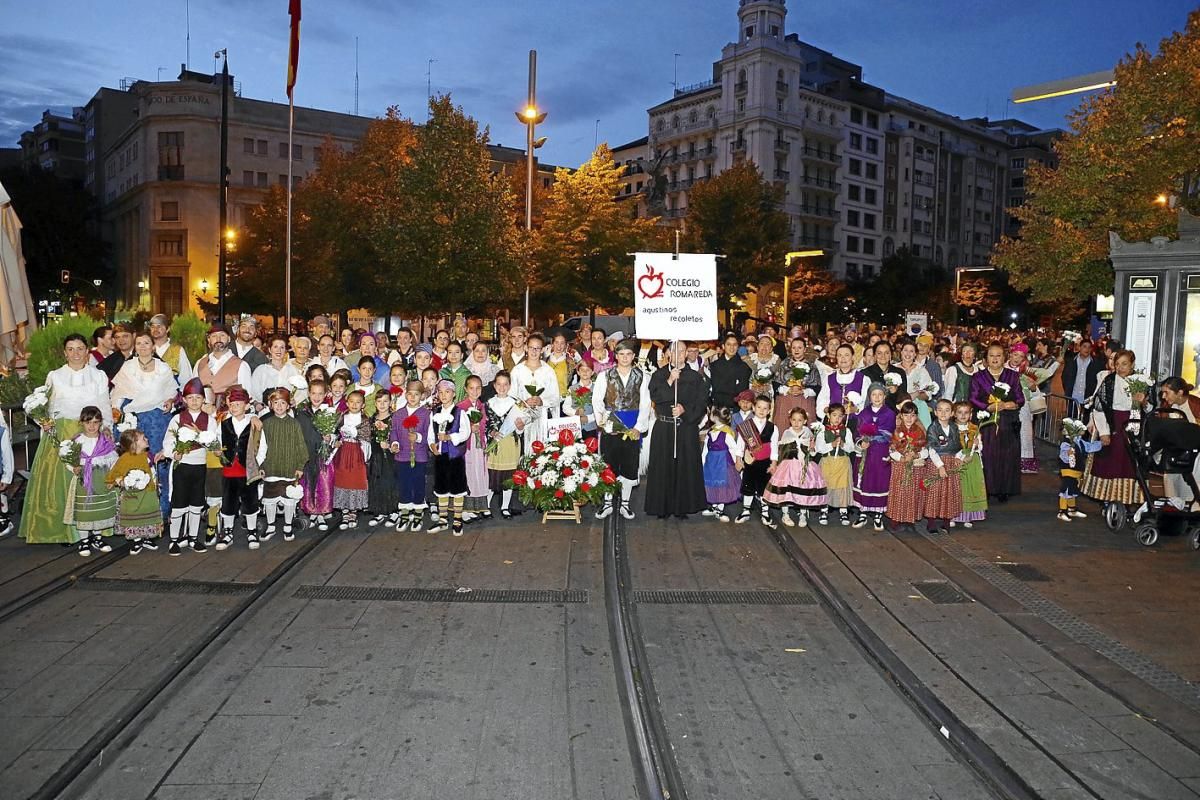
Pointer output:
x,y
66,276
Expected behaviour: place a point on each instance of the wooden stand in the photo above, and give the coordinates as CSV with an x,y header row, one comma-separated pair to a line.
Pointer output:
x,y
557,514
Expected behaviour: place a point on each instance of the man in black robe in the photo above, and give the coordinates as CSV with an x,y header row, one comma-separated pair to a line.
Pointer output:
x,y
675,475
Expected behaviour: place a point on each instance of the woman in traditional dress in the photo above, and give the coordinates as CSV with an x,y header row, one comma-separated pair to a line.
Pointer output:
x,y
73,386
958,376
147,388
799,380
1109,474
1001,438
917,382
1031,378
763,363
873,428
535,386
1177,394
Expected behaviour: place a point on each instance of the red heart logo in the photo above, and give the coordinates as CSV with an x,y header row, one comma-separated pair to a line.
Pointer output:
x,y
650,279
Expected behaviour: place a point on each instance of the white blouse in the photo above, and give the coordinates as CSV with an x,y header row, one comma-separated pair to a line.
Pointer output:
x,y
1121,401
71,390
144,390
266,377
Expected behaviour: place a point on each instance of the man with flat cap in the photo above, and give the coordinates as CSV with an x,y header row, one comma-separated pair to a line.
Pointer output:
x,y
168,351
243,345
621,400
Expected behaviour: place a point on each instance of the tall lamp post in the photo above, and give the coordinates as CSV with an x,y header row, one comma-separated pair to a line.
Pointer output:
x,y
531,118
222,255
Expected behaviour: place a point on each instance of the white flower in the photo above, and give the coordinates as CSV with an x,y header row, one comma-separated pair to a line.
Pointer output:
x,y
817,427
570,484
763,375
982,415
65,448
207,438
187,435
854,397
891,379
136,480
1002,386
294,491
128,422
931,389
298,383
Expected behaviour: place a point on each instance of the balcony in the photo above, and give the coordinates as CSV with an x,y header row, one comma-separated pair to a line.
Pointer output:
x,y
738,146
782,146
740,87
817,211
810,242
819,183
821,154
823,129
782,176
674,213
781,87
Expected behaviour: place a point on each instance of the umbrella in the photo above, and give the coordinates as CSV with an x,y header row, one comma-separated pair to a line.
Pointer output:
x,y
17,318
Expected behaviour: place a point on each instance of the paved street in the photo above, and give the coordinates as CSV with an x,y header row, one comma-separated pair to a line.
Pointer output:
x,y
385,665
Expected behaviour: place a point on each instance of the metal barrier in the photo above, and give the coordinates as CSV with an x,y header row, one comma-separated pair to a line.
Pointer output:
x,y
1048,426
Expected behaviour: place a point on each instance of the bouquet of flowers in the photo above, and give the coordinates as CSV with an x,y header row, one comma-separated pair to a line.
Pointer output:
x,y
186,440
1140,382
70,453
492,426
866,432
411,422
798,372
618,428
127,422
37,407
855,399
532,391
474,415
931,390
1001,393
907,443
581,396
558,475
1072,337
762,378
442,420
135,480
211,441
294,491
1072,428
325,420
892,381
381,431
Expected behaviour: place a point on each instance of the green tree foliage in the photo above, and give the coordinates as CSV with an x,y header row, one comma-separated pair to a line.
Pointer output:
x,y
60,222
1126,146
582,248
191,333
452,241
737,214
905,283
46,344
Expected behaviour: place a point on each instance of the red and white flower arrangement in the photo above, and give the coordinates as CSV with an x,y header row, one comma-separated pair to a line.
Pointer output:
x,y
560,474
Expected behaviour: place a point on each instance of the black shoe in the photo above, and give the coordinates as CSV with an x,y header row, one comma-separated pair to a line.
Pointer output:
x,y
198,545
210,537
288,535
149,544
174,548
135,547
85,548
226,540
252,540
101,545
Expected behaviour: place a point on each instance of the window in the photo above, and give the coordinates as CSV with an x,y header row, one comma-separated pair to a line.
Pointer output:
x,y
872,171
659,125
888,246
262,180
870,196
262,147
891,198
856,141
1018,182
854,191
855,167
247,177
170,246
851,270
169,295
868,271
248,145
297,152
856,116
779,105
1017,163
868,247
741,104
868,221
872,145
283,149
170,156
851,244
749,31
283,180
872,120
169,211
891,172
852,217
775,31
889,223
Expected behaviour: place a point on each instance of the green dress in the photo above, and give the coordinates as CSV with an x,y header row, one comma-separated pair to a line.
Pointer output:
x,y
138,513
94,512
46,495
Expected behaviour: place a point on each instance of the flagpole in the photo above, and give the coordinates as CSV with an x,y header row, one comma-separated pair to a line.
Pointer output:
x,y
287,264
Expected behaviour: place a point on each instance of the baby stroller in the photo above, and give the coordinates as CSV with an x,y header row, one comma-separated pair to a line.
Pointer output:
x,y
1164,442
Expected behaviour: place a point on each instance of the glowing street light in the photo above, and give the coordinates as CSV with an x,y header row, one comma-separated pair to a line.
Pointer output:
x,y
1080,83
530,117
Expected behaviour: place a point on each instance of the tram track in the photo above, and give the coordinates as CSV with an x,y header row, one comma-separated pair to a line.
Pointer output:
x,y
60,581
123,727
651,746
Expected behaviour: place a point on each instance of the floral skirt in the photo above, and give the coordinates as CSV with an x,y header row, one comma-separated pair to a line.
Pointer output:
x,y
905,503
944,497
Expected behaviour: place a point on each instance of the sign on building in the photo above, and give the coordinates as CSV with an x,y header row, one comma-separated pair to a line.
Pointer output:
x,y
675,296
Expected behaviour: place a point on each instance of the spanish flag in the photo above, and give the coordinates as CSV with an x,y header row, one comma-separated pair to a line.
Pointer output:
x,y
293,45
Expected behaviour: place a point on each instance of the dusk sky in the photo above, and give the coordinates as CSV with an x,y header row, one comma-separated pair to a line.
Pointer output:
x,y
601,59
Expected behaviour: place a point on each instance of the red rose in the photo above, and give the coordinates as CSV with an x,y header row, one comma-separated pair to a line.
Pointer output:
x,y
585,487
608,476
566,437
593,444
554,456
558,493
411,421
567,472
520,478
538,447
537,483
585,464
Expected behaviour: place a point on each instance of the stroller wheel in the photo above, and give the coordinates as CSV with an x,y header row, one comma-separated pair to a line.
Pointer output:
x,y
1146,534
1194,538
1115,515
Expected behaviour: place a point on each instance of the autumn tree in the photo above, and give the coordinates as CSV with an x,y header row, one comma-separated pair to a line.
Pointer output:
x,y
1126,146
977,293
582,248
737,214
815,294
452,243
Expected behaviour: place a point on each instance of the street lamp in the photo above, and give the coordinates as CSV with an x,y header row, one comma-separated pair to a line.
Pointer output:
x,y
223,195
530,117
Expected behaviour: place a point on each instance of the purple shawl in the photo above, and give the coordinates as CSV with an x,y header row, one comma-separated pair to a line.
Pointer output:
x,y
104,447
982,383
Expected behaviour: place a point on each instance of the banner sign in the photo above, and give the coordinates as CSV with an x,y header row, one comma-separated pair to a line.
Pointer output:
x,y
916,323
556,424
675,297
